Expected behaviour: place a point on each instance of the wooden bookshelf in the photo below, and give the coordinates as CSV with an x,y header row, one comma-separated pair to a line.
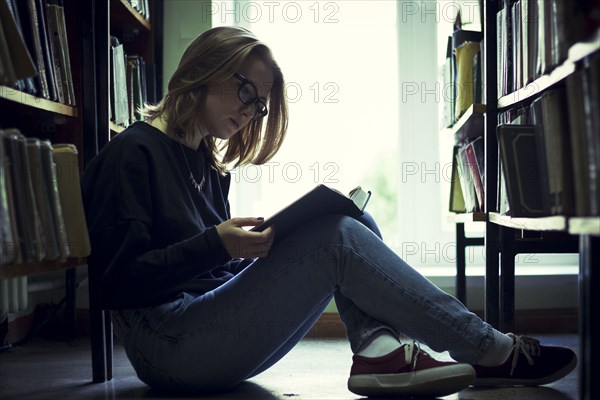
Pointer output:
x,y
470,124
123,14
17,270
467,127
29,101
467,217
584,49
552,223
139,37
502,240
36,117
577,52
116,128
584,226
533,89
572,225
63,123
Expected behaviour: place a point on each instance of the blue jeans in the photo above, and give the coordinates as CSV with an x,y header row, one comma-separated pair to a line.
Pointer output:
x,y
221,338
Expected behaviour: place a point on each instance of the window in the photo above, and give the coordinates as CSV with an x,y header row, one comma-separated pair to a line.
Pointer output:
x,y
340,64
362,84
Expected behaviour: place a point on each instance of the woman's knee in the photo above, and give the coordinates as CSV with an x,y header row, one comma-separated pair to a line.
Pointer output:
x,y
368,221
350,227
318,235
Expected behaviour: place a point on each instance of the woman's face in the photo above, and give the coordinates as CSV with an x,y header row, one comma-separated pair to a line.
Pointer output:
x,y
225,113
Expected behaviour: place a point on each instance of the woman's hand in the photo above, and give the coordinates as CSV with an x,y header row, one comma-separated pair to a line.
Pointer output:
x,y
241,243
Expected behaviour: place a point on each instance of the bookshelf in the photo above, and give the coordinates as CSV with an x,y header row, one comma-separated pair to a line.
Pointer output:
x,y
53,111
462,127
562,230
476,216
584,226
462,242
27,269
469,124
18,99
135,61
552,223
577,52
139,32
76,113
114,128
560,78
123,14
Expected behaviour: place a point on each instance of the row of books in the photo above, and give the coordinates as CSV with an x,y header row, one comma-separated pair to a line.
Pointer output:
x,y
534,37
468,177
462,79
462,75
37,33
550,150
15,62
132,84
41,209
142,7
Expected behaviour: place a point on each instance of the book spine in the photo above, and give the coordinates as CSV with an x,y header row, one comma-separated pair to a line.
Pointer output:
x,y
466,181
47,51
17,169
579,155
517,144
591,101
64,42
50,175
558,150
42,200
38,241
38,51
57,51
67,167
537,117
7,239
475,175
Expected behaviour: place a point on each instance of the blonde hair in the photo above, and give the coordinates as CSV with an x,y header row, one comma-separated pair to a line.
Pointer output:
x,y
215,56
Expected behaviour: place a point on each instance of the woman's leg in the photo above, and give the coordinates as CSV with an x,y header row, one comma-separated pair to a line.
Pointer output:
x,y
367,220
291,343
225,336
221,338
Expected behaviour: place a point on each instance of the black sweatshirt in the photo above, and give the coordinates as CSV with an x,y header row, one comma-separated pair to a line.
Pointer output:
x,y
153,235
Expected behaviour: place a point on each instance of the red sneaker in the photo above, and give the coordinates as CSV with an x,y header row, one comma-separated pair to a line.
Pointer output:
x,y
529,364
408,371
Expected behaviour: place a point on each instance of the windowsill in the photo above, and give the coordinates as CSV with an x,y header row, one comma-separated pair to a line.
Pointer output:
x,y
520,270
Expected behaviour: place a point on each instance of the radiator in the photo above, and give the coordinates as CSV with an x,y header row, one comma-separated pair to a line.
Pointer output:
x,y
13,295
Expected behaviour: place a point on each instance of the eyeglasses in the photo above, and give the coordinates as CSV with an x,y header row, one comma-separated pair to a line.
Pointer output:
x,y
248,94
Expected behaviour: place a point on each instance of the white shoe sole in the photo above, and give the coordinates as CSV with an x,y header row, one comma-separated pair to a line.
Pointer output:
x,y
433,382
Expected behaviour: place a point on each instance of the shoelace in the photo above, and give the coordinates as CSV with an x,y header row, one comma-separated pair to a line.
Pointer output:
x,y
526,345
410,356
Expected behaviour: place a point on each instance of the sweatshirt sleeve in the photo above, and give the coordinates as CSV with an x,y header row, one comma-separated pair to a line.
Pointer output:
x,y
132,274
132,266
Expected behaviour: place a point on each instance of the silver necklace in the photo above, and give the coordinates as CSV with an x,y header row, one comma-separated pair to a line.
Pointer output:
x,y
195,184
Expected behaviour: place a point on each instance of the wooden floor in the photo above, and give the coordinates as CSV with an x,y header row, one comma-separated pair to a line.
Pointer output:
x,y
315,369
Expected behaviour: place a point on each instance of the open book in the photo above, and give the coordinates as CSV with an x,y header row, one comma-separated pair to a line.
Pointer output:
x,y
320,201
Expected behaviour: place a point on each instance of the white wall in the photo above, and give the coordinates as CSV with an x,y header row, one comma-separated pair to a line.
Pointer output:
x,y
183,21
